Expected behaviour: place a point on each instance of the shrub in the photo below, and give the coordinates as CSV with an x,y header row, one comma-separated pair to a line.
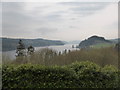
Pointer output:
x,y
35,76
92,75
77,75
111,77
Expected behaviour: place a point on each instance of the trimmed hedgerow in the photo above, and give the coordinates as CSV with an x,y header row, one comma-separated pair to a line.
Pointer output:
x,y
35,76
76,75
111,75
92,75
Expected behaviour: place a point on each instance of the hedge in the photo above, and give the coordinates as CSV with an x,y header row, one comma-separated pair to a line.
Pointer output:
x,y
35,76
76,75
92,75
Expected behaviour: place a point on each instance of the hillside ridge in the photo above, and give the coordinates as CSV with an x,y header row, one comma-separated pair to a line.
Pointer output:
x,y
92,41
11,43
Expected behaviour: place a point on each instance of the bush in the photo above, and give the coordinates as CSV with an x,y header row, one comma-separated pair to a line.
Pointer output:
x,y
92,75
35,76
76,75
111,76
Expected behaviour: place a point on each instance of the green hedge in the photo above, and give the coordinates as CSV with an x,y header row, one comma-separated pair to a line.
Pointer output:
x,y
92,75
35,76
76,75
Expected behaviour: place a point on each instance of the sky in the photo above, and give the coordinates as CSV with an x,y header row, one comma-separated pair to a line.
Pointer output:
x,y
65,21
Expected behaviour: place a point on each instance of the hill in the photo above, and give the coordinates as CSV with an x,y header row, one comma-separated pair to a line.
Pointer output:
x,y
115,40
74,42
94,40
10,43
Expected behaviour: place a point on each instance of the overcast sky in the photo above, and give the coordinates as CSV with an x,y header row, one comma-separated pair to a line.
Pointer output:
x,y
59,20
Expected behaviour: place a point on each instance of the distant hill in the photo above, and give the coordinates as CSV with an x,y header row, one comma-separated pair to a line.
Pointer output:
x,y
93,40
74,42
10,43
115,40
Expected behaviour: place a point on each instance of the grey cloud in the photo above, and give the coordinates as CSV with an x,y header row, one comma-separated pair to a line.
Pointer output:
x,y
0,18
46,31
88,8
72,27
113,26
12,6
15,20
45,19
53,17
84,3
14,13
85,9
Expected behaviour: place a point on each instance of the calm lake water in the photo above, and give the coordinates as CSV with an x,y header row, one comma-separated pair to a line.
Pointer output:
x,y
58,48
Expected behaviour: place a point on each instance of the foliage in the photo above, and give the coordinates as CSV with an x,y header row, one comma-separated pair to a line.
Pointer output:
x,y
35,76
48,57
77,75
92,75
93,40
102,45
111,73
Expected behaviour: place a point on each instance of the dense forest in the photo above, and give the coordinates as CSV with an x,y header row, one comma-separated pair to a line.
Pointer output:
x,y
94,40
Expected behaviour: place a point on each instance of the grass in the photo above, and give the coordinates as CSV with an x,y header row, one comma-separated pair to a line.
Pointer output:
x,y
102,45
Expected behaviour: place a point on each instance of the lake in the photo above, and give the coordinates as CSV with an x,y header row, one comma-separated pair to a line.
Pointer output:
x,y
58,48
